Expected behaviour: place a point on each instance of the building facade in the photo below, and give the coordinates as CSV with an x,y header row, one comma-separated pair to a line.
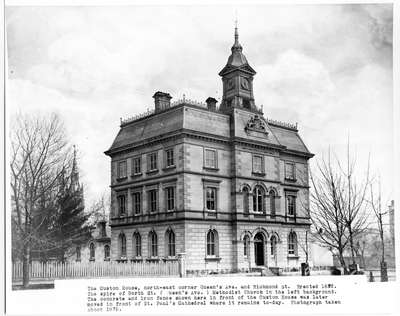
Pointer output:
x,y
223,185
97,249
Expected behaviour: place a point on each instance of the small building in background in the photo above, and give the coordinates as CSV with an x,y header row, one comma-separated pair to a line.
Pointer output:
x,y
97,249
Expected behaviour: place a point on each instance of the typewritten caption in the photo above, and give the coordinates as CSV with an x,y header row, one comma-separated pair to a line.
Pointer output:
x,y
122,298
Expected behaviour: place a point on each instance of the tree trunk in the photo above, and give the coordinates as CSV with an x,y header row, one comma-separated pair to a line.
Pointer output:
x,y
343,262
351,244
25,266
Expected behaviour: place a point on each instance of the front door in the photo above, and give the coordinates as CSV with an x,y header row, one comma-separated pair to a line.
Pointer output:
x,y
259,249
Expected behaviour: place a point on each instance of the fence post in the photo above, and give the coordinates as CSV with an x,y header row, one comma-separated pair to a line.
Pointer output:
x,y
182,264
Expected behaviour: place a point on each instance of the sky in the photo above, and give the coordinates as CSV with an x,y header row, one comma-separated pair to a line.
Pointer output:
x,y
326,67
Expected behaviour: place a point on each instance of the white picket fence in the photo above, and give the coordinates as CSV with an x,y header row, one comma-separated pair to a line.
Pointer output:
x,y
58,270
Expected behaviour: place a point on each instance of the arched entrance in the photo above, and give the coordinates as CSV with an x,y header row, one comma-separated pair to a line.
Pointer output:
x,y
259,249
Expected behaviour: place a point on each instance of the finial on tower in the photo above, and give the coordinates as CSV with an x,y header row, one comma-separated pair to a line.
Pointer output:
x,y
236,45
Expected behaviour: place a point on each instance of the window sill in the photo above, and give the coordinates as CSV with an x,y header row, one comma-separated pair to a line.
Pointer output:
x,y
122,260
136,259
259,214
168,168
212,213
211,168
293,257
106,259
155,259
258,174
291,179
212,259
135,175
92,259
170,259
152,171
122,179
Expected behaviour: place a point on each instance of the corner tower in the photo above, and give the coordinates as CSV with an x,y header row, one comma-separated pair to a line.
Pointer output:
x,y
237,79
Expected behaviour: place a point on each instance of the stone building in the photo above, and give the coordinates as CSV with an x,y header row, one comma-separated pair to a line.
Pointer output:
x,y
224,185
97,249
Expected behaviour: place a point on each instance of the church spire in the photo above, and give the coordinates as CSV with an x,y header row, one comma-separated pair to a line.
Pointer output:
x,y
74,173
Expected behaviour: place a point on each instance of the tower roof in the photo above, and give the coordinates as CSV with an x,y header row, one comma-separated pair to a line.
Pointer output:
x,y
237,59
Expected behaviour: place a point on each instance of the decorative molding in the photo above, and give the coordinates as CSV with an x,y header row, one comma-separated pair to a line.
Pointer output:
x,y
256,124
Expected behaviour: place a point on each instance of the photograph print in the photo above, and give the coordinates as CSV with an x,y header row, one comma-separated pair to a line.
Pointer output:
x,y
200,141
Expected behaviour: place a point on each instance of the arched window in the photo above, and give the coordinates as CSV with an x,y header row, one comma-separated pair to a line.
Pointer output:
x,y
92,253
122,245
137,245
273,241
212,243
106,252
292,244
258,199
272,203
246,246
245,193
78,253
153,246
170,237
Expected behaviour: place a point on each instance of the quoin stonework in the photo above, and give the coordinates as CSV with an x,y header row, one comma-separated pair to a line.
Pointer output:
x,y
219,183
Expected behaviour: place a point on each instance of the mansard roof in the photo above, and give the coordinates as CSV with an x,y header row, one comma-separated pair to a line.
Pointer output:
x,y
212,124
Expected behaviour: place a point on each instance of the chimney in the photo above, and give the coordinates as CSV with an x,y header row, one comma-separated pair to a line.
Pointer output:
x,y
211,103
161,101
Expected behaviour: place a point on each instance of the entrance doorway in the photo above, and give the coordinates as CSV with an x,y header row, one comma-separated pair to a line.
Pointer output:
x,y
259,249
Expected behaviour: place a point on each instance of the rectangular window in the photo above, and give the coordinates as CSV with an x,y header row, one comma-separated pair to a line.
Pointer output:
x,y
121,169
121,204
136,165
137,203
152,161
137,246
169,158
211,199
292,244
152,201
258,164
170,198
210,160
291,205
290,173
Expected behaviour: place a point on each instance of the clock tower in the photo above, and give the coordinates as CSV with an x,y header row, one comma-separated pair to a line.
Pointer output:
x,y
237,80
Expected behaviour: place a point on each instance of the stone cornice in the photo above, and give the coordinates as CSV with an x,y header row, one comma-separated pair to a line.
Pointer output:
x,y
182,133
167,177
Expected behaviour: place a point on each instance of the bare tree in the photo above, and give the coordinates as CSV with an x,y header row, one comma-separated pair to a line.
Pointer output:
x,y
326,210
354,199
100,209
39,155
376,206
338,206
